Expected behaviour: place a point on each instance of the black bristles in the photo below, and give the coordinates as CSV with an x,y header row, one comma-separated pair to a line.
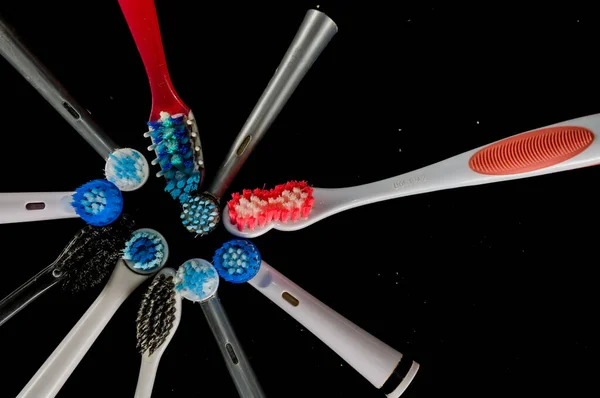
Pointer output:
x,y
156,314
93,253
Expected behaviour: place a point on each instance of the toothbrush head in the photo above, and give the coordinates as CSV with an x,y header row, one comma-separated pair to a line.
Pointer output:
x,y
237,261
127,168
197,280
286,203
98,202
159,313
176,143
91,255
146,251
201,214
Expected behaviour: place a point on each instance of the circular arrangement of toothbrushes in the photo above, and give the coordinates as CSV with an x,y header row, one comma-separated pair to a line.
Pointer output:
x,y
111,251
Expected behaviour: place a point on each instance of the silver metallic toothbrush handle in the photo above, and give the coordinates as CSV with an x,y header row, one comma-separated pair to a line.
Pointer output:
x,y
29,291
52,90
238,365
312,37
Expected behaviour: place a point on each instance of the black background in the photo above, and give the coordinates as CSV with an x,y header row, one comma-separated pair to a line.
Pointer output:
x,y
489,288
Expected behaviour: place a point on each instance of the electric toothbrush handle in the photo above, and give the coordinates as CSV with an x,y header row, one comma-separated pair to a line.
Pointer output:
x,y
53,374
568,145
383,366
238,365
26,293
17,54
147,375
315,32
35,206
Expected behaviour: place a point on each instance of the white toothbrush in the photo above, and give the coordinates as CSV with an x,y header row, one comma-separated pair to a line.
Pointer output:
x,y
151,360
35,206
239,261
126,277
98,202
563,146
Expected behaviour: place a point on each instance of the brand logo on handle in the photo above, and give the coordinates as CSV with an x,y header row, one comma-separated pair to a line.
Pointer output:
x,y
409,181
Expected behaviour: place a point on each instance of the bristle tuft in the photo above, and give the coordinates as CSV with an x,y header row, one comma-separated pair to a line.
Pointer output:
x,y
92,254
175,154
98,202
197,280
127,169
285,203
201,214
145,250
237,261
156,315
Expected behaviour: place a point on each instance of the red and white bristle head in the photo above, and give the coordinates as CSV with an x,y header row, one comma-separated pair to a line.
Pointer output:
x,y
285,203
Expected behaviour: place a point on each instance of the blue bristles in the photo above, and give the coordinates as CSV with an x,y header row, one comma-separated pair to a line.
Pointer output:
x,y
98,202
197,280
200,214
127,169
145,250
237,261
175,155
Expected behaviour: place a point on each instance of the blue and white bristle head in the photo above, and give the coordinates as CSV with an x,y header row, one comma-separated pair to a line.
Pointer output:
x,y
146,251
127,168
237,261
98,202
178,153
197,280
201,214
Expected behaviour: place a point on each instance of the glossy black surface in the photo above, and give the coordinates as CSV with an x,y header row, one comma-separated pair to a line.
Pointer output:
x,y
491,288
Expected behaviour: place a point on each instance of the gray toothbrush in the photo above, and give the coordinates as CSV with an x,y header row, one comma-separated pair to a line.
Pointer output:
x,y
125,167
315,32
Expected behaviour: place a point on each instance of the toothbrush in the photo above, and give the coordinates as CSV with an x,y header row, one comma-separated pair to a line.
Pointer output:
x,y
125,167
562,146
239,261
98,203
201,212
144,254
84,263
315,32
198,281
173,128
157,321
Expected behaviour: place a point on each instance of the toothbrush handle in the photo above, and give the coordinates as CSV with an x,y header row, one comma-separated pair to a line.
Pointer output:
x,y
146,377
15,52
238,365
563,146
35,206
383,366
315,32
143,24
51,376
29,291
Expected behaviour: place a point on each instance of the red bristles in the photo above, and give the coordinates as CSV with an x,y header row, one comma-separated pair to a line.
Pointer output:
x,y
286,202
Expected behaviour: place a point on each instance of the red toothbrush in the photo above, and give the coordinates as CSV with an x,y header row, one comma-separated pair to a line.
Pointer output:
x,y
173,129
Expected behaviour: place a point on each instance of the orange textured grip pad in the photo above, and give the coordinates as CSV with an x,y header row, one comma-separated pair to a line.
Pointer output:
x,y
531,151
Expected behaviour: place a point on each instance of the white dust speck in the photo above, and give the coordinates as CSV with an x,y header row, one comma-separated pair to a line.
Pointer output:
x,y
424,302
409,20
378,274
478,122
399,129
396,273
341,364
318,6
399,149
396,283
302,330
110,97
